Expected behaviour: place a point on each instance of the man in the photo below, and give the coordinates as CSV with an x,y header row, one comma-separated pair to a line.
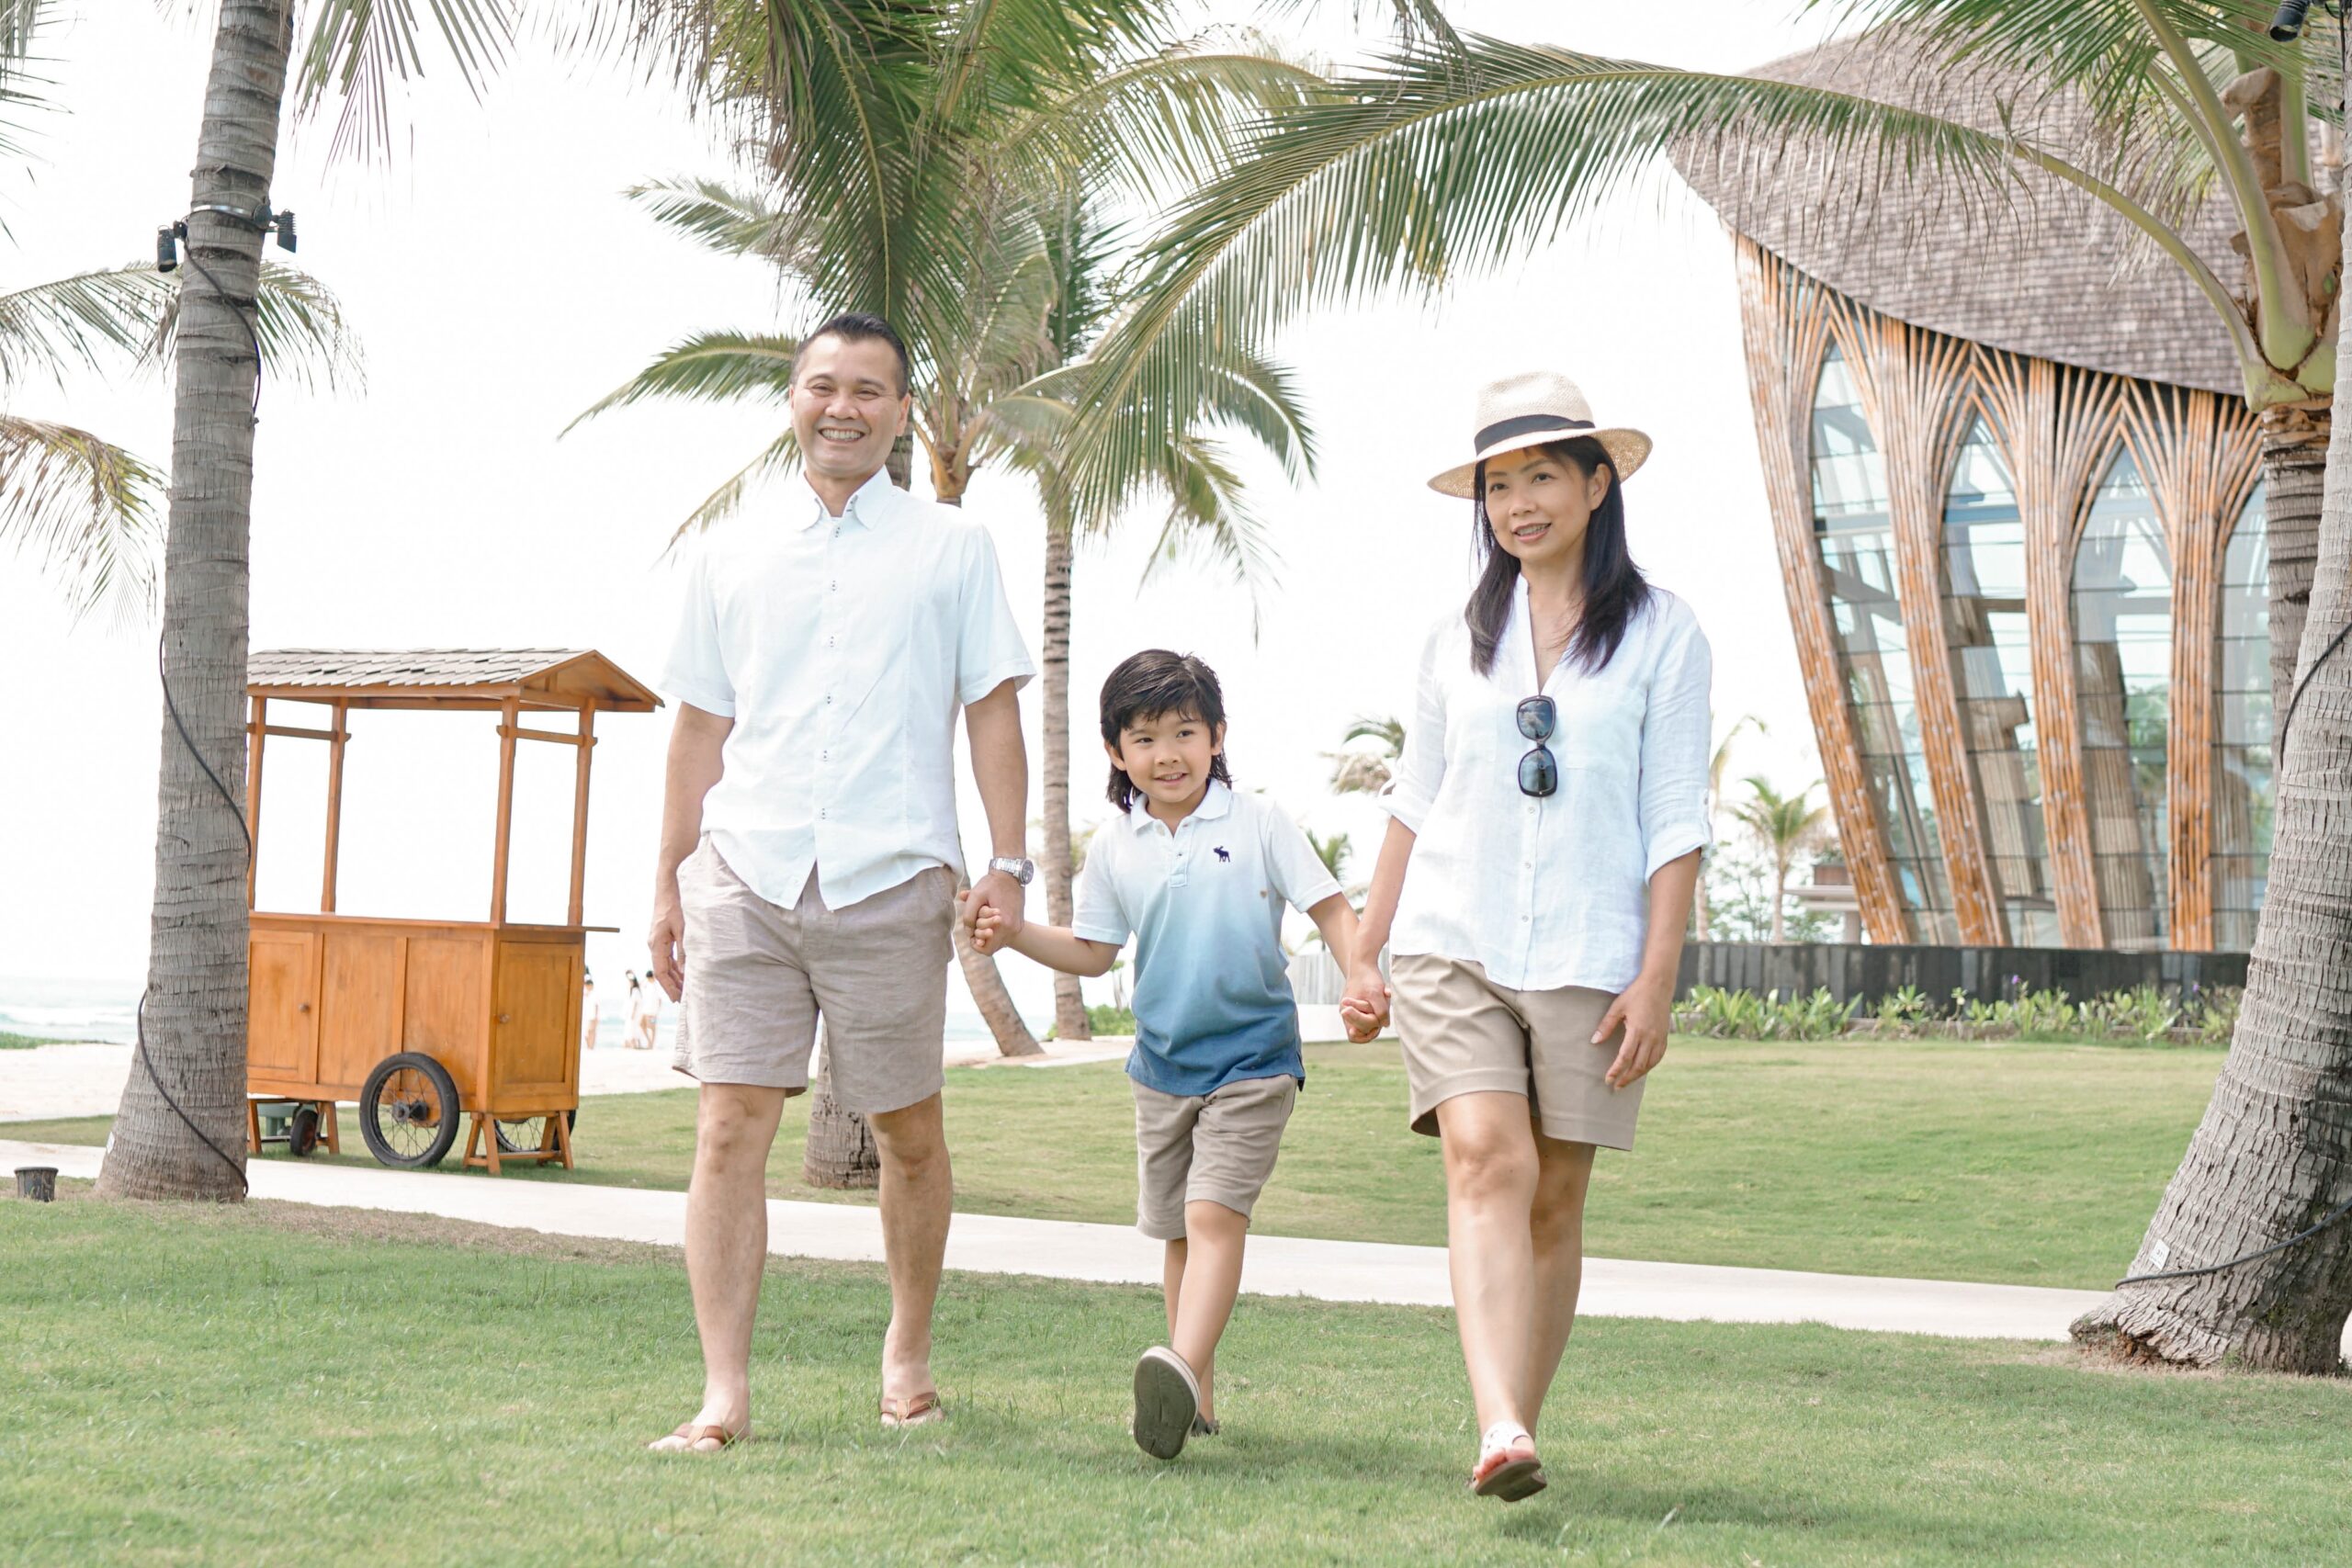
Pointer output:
x,y
808,829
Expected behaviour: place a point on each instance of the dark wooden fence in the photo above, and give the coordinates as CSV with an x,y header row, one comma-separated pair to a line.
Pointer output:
x,y
1985,974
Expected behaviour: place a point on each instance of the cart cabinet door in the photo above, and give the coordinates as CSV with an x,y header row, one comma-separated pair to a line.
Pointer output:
x,y
282,1015
535,1048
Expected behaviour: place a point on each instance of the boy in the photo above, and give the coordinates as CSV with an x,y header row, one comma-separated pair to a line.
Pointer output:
x,y
1200,874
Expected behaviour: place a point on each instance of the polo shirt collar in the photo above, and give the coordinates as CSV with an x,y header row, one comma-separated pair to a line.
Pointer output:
x,y
869,505
1217,803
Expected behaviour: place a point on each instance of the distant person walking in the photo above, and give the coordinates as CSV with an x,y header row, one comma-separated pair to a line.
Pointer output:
x,y
588,1019
649,1021
825,649
1551,801
632,1034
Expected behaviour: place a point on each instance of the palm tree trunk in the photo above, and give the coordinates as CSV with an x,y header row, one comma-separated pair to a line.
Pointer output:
x,y
1699,906
193,1017
2274,1152
2294,463
1780,898
840,1152
1069,1002
989,993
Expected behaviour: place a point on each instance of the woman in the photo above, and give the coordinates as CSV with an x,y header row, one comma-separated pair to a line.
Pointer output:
x,y
1551,801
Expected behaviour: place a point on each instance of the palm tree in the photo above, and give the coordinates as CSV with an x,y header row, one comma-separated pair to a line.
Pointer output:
x,y
1717,765
82,506
970,214
1785,826
1004,194
1458,154
1361,772
2252,1258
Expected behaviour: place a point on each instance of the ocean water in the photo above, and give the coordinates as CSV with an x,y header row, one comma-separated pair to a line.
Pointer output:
x,y
107,1010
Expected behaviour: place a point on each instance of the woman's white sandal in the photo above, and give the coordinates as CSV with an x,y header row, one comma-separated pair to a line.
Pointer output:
x,y
1498,1475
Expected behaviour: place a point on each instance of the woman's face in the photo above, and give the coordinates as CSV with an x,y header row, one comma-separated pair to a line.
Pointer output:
x,y
1539,506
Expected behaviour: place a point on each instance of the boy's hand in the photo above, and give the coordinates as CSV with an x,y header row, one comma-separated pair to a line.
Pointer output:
x,y
988,932
1363,1009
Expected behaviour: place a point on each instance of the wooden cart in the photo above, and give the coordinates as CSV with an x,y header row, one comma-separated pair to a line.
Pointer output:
x,y
420,1022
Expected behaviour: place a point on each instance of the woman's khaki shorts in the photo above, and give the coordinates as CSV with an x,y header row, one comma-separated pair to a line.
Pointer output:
x,y
1217,1147
759,976
1463,1033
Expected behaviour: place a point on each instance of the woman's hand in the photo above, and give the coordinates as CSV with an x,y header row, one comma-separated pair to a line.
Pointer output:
x,y
1644,1009
1363,1009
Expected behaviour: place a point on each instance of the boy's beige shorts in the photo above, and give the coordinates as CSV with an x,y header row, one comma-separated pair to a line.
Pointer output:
x,y
1463,1034
759,976
1217,1147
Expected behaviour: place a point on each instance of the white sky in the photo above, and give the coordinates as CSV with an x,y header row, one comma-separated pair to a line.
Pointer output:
x,y
500,284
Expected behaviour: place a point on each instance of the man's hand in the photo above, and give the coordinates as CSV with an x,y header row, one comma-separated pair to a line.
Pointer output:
x,y
667,942
998,892
1363,1009
1645,1008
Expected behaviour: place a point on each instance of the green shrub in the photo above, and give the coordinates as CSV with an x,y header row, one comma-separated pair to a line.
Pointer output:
x,y
1111,1021
2194,1015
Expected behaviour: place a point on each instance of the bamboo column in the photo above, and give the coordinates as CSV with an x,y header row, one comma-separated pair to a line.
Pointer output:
x,y
580,816
509,718
335,804
256,736
1784,319
2058,423
1914,391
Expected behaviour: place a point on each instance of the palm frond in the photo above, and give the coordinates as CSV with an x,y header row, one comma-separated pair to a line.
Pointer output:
x,y
730,219
304,337
86,509
779,457
1439,161
716,367
360,49
1209,516
73,321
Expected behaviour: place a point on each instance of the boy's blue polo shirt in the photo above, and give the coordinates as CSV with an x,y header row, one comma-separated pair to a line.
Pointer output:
x,y
1212,1001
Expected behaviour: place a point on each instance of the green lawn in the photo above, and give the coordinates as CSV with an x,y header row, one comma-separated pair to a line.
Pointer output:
x,y
2028,1164
276,1384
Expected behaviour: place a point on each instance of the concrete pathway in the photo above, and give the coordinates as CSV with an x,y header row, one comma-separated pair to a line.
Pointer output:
x,y
41,1082
1280,1266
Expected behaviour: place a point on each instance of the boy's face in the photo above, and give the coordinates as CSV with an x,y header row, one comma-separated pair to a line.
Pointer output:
x,y
1167,756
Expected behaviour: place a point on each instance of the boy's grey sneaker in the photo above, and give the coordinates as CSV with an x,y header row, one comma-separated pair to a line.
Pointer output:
x,y
1168,1401
1204,1427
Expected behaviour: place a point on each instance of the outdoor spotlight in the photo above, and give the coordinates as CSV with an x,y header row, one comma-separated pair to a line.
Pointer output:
x,y
286,231
167,248
2287,24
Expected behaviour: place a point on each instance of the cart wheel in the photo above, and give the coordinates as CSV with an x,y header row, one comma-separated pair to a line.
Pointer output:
x,y
524,1135
408,1110
302,1131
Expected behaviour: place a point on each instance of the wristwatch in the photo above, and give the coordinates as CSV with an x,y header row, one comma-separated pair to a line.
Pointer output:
x,y
1021,870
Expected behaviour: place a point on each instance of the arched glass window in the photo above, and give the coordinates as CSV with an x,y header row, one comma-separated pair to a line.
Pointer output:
x,y
2123,678
2242,725
1991,669
1856,541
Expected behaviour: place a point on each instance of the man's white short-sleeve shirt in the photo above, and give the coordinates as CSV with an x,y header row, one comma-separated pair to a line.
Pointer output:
x,y
842,647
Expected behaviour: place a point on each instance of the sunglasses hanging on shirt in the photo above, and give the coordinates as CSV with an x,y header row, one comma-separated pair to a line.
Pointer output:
x,y
1539,770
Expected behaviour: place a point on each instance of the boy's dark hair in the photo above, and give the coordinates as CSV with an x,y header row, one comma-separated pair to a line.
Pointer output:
x,y
1148,684
860,326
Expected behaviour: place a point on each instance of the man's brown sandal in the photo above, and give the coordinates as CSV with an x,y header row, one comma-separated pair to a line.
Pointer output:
x,y
694,1436
914,1410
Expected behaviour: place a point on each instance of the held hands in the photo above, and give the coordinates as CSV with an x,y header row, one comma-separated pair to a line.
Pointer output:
x,y
992,911
1363,1009
1643,1008
986,927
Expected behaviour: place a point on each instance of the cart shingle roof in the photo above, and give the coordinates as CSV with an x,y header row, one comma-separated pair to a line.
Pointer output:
x,y
2052,273
562,677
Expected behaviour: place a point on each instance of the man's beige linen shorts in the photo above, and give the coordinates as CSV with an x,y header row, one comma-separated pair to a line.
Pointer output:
x,y
759,976
1217,1147
1463,1034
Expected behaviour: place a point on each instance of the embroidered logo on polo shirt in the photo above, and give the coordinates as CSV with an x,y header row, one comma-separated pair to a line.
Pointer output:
x,y
1224,854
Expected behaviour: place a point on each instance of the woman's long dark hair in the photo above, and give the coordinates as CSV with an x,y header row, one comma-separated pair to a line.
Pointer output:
x,y
1614,589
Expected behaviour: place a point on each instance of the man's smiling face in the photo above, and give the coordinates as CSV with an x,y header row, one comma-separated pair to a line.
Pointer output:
x,y
847,405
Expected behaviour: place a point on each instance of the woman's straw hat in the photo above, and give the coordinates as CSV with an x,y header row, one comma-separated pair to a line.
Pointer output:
x,y
1535,409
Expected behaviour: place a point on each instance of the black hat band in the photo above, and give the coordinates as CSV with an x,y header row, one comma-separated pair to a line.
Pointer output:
x,y
1526,424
